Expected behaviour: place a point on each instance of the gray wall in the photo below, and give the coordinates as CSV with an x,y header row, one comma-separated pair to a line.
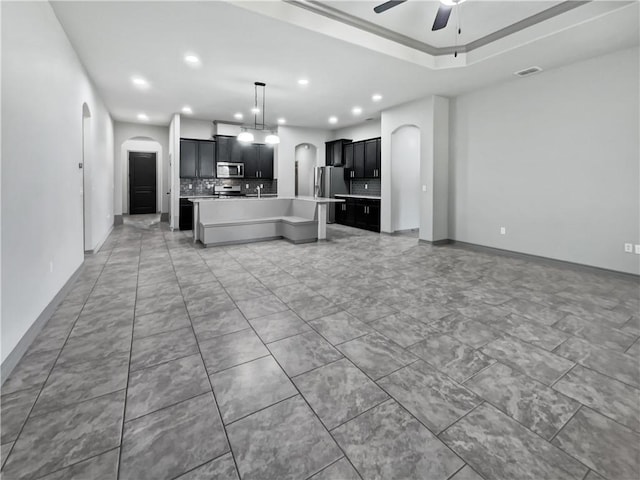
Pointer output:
x,y
554,158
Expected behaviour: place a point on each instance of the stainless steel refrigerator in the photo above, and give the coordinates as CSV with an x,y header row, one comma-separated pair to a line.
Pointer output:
x,y
328,182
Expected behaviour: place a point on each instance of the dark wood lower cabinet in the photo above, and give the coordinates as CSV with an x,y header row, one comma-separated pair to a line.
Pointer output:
x,y
360,213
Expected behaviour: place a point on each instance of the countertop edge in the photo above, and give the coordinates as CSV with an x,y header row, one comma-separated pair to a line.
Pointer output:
x,y
367,197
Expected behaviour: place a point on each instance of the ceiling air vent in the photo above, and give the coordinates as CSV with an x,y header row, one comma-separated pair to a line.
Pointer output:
x,y
528,71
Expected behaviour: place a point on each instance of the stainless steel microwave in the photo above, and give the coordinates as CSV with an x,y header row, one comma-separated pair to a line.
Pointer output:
x,y
230,170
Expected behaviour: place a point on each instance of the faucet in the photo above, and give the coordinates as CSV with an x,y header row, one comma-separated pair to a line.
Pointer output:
x,y
259,189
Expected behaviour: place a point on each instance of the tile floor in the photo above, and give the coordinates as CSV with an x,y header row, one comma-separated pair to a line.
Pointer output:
x,y
367,356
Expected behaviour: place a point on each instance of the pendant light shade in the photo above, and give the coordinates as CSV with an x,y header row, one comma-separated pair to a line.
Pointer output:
x,y
272,139
245,136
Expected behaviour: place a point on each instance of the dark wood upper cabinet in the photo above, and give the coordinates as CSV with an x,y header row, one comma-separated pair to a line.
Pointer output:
x,y
197,158
257,157
265,161
230,150
224,148
334,152
371,158
250,160
358,159
347,153
206,159
188,158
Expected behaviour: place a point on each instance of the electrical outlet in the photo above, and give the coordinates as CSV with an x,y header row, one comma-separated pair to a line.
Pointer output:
x,y
261,185
51,267
637,249
424,188
503,231
190,186
366,186
246,186
628,248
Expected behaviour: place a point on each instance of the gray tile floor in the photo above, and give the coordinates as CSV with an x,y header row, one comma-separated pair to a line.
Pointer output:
x,y
367,356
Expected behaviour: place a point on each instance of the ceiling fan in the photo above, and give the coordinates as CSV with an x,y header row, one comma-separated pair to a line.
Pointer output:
x,y
442,17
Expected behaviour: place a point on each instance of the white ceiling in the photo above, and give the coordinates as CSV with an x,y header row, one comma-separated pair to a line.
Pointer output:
x,y
277,43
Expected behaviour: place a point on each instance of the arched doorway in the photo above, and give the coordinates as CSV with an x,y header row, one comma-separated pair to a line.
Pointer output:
x,y
306,161
405,178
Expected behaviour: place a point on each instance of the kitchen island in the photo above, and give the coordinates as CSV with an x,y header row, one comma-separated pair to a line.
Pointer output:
x,y
242,220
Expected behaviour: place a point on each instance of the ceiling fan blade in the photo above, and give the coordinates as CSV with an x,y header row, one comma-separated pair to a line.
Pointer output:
x,y
383,7
442,17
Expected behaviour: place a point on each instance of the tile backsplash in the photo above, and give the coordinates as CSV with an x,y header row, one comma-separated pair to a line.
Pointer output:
x,y
204,186
373,187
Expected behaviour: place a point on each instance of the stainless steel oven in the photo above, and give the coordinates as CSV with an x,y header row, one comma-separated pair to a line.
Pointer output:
x,y
230,170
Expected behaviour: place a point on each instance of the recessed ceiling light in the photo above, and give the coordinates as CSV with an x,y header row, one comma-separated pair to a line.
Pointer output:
x,y
187,109
143,117
303,81
356,110
238,116
376,97
333,119
139,82
191,59
255,110
282,121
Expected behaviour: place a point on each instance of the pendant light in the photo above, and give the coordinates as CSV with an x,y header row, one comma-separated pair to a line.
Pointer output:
x,y
245,135
272,139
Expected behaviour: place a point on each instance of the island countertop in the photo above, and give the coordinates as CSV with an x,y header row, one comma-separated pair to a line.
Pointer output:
x,y
318,200
366,197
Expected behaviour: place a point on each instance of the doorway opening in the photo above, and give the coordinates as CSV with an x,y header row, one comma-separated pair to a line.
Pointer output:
x,y
86,224
305,159
142,183
405,179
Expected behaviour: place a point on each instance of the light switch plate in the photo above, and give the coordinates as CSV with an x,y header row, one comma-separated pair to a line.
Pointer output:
x,y
503,231
424,188
628,248
637,249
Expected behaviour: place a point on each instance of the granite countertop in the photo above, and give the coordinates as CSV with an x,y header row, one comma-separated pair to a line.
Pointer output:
x,y
368,197
265,197
248,195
